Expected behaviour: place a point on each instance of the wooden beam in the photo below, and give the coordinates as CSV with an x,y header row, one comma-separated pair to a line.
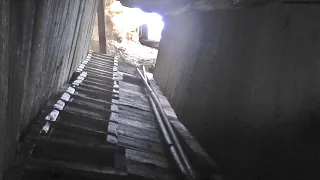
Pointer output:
x,y
4,73
51,142
101,27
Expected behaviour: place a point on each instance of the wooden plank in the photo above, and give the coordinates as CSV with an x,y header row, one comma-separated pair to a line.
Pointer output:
x,y
145,170
73,61
133,96
96,95
132,114
101,27
87,113
101,63
92,102
69,34
100,102
17,66
74,118
99,70
98,75
44,89
89,95
147,158
28,29
133,87
37,55
58,56
109,81
102,55
80,51
140,145
96,88
91,25
80,128
89,106
63,167
139,133
96,84
137,124
37,36
58,45
4,73
44,141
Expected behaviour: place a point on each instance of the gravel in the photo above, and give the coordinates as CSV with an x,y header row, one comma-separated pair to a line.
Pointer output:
x,y
133,52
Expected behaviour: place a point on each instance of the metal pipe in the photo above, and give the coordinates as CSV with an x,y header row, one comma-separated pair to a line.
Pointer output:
x,y
158,118
168,141
166,135
168,125
144,73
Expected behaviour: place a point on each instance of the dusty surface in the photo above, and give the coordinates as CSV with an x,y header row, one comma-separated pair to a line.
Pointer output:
x,y
131,52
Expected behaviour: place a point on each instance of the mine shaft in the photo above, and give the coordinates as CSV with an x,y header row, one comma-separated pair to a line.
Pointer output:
x,y
159,90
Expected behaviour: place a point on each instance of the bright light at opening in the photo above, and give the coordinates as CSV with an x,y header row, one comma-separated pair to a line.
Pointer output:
x,y
155,26
128,19
116,6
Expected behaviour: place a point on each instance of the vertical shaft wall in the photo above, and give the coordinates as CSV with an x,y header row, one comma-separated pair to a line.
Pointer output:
x,y
246,83
41,44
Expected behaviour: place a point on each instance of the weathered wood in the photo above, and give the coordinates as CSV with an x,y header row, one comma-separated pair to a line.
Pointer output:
x,y
102,58
75,62
4,63
89,99
38,51
96,106
41,44
69,36
104,86
145,170
59,50
73,168
101,27
134,99
97,54
28,28
130,114
147,158
47,142
79,128
96,88
108,81
82,120
87,112
135,123
140,145
139,133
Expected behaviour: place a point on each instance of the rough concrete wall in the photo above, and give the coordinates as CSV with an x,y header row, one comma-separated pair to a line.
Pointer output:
x,y
180,40
42,42
250,90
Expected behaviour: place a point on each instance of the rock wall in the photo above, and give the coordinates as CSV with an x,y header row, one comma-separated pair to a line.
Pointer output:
x,y
246,83
42,43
